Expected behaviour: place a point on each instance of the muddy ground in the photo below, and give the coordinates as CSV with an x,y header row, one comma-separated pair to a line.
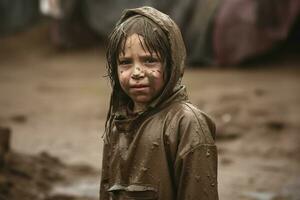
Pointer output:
x,y
55,103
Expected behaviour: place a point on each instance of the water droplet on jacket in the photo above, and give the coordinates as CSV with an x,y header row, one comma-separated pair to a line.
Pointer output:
x,y
207,153
155,144
212,185
144,169
197,178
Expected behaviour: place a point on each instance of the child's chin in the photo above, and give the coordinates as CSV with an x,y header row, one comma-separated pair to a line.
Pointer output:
x,y
142,100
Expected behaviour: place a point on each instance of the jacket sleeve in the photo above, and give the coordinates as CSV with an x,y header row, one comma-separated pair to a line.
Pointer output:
x,y
197,174
195,164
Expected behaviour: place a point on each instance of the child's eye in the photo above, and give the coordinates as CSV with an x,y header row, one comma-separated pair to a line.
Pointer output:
x,y
151,60
124,62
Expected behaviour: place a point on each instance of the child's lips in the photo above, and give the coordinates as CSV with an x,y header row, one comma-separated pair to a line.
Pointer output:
x,y
139,87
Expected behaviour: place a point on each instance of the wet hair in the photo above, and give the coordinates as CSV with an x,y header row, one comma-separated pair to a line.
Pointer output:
x,y
155,41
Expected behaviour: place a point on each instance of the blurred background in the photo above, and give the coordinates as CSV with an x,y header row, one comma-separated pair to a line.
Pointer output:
x,y
242,69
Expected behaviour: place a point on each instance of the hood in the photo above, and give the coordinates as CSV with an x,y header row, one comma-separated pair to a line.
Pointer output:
x,y
178,55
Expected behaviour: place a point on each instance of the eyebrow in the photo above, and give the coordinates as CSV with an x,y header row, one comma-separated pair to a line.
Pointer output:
x,y
146,55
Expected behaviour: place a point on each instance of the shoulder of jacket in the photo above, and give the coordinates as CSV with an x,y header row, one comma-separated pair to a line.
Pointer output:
x,y
196,117
188,110
204,120
188,114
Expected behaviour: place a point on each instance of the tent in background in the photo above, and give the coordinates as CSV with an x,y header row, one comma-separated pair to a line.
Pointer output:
x,y
15,15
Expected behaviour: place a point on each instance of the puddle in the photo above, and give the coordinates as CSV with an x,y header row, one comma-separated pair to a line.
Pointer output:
x,y
269,196
81,188
292,189
260,195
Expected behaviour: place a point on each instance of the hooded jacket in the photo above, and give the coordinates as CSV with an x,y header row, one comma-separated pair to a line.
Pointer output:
x,y
168,151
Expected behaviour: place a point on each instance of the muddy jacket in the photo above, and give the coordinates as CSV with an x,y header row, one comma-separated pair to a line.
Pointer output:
x,y
168,151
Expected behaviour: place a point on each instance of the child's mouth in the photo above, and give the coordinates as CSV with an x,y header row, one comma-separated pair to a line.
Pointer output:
x,y
139,87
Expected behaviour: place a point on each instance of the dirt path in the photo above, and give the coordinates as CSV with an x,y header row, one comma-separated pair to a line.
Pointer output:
x,y
57,101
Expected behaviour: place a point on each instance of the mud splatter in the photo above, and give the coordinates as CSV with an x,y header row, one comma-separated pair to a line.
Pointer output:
x,y
207,153
19,119
197,178
275,125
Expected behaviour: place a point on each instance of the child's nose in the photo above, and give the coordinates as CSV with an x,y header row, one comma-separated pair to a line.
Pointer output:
x,y
138,72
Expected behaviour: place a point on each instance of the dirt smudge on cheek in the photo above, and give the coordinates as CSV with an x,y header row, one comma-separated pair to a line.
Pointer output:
x,y
163,74
159,73
151,77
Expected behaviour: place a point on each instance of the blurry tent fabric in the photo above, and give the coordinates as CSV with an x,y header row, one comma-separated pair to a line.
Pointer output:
x,y
68,28
102,15
224,32
245,29
194,17
17,14
52,8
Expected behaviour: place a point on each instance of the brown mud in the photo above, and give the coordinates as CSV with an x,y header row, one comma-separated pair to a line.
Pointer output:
x,y
44,177
55,103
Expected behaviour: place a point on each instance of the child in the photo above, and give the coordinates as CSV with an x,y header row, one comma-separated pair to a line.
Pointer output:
x,y
157,145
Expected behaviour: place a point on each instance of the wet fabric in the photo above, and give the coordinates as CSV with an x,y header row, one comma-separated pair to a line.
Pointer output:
x,y
166,152
245,29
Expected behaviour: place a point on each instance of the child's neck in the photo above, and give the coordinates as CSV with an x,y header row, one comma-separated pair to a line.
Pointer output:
x,y
139,107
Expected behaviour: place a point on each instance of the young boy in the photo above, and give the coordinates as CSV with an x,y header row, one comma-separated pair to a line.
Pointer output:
x,y
157,145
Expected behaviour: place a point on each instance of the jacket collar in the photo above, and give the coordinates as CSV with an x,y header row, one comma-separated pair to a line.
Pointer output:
x,y
126,122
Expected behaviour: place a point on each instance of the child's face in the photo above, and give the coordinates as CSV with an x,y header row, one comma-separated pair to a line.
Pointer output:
x,y
141,74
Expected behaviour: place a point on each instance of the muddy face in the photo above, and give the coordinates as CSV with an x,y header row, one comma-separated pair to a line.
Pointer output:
x,y
141,74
